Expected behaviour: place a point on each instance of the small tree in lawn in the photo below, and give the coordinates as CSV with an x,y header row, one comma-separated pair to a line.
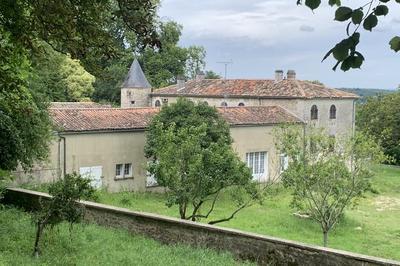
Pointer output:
x,y
325,175
63,206
190,148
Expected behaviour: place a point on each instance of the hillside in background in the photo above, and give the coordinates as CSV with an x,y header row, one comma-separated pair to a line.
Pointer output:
x,y
364,93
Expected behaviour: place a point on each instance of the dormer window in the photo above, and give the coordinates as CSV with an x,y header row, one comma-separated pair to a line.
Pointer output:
x,y
332,112
314,112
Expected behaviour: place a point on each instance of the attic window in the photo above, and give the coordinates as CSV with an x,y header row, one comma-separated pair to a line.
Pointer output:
x,y
314,112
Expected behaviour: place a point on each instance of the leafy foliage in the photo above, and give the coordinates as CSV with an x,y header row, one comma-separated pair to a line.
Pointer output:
x,y
380,117
212,75
190,148
64,205
325,175
345,52
24,123
58,77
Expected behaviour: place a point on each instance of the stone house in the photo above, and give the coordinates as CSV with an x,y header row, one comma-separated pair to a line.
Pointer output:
x,y
107,144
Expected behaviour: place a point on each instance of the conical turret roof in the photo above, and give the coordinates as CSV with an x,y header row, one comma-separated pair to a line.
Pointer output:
x,y
136,77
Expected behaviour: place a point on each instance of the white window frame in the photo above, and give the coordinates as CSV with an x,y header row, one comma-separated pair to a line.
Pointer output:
x,y
122,174
258,163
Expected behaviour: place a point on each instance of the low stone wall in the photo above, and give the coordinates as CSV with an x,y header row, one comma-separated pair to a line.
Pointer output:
x,y
262,249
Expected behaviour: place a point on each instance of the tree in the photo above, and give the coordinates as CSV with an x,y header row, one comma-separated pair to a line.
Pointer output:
x,y
191,155
25,127
59,77
195,61
82,29
212,75
326,176
63,205
366,16
380,117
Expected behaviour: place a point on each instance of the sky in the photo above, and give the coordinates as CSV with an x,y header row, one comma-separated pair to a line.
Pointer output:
x,y
260,36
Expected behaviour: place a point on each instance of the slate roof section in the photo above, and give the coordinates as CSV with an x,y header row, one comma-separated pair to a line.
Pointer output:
x,y
136,77
74,105
117,119
248,88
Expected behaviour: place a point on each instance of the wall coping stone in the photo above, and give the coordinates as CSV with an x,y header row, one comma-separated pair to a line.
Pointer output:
x,y
217,229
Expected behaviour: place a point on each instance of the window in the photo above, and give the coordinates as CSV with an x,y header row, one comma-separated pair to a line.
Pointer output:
x,y
128,170
332,112
132,102
157,103
165,101
123,170
241,104
256,161
314,112
118,170
224,104
283,162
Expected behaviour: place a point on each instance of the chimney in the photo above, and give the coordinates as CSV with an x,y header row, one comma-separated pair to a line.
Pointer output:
x,y
291,75
180,81
278,75
200,75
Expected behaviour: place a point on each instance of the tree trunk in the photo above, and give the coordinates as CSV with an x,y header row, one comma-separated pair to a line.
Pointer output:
x,y
39,231
325,238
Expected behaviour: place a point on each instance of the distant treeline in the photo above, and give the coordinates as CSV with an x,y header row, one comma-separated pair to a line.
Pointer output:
x,y
364,93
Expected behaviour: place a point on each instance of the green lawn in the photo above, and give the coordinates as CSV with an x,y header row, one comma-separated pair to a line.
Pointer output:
x,y
372,227
93,245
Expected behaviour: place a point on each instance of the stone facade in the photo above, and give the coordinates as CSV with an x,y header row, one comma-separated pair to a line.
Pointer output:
x,y
135,97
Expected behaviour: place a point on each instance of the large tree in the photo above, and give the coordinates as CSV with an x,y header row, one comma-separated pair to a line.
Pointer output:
x,y
58,77
365,16
380,117
191,155
84,30
326,175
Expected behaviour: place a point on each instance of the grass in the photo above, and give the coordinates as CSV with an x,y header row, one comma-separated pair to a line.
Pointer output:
x,y
372,227
92,245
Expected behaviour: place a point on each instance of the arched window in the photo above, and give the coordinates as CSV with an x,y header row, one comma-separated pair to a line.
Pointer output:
x,y
157,103
314,112
224,104
241,104
332,112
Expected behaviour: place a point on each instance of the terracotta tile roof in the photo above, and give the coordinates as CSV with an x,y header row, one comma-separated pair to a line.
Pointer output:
x,y
253,88
78,105
99,119
257,115
114,119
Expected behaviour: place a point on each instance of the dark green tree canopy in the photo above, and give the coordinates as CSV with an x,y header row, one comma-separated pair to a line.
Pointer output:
x,y
364,17
191,155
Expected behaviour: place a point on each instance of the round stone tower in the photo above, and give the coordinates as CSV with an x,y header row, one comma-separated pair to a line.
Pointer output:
x,y
135,91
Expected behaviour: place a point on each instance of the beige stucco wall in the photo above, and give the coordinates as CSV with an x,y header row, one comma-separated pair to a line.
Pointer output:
x,y
107,149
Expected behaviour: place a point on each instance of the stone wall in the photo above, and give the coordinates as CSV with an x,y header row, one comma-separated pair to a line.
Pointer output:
x,y
262,249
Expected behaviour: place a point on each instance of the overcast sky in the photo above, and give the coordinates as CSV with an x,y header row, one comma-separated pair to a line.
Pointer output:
x,y
260,36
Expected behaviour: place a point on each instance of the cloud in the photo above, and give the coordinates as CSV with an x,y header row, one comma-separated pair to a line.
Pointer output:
x,y
306,28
